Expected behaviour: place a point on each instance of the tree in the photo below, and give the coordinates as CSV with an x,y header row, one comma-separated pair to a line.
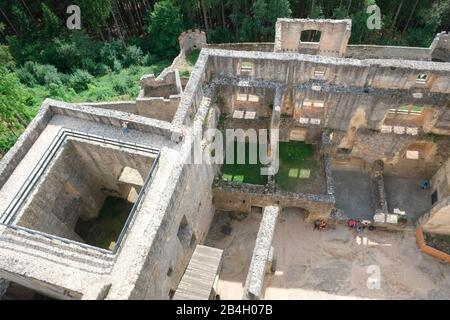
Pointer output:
x,y
95,12
165,26
13,113
52,25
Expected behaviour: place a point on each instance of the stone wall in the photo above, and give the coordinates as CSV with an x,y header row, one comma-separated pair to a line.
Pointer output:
x,y
261,254
190,40
243,197
387,52
243,46
75,186
333,41
440,48
187,214
158,108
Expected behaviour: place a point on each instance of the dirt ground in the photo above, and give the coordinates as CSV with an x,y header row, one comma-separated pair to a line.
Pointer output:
x,y
333,264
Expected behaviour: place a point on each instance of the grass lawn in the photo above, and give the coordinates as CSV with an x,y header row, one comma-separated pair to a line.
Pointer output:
x,y
105,229
243,173
297,164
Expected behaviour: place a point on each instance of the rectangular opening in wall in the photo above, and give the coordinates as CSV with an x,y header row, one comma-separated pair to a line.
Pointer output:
x,y
422,78
412,154
184,232
84,190
313,103
247,68
319,73
410,109
310,36
434,197
255,209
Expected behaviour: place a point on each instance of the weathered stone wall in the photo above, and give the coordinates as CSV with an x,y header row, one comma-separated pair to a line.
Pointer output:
x,y
440,48
333,41
440,182
243,46
125,106
191,203
242,197
67,191
261,254
113,118
190,40
158,108
75,185
294,68
438,219
387,52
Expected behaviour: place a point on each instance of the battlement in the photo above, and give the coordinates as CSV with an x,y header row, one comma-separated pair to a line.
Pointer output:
x,y
440,47
191,39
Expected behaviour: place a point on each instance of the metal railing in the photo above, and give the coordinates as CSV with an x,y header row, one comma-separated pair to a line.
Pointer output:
x,y
16,204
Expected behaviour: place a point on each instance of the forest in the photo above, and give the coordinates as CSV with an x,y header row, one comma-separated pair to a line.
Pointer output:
x,y
120,40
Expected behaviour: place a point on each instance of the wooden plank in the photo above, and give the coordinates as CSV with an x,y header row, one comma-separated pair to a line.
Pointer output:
x,y
198,279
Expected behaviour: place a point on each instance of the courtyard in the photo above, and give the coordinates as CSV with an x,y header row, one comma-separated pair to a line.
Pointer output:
x,y
412,202
353,193
247,172
300,171
333,264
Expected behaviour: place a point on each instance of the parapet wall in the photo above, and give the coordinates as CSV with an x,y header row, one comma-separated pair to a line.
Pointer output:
x,y
333,41
440,48
387,52
242,197
191,40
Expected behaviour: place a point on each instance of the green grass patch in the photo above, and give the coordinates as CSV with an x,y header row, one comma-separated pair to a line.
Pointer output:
x,y
243,173
105,229
193,57
297,164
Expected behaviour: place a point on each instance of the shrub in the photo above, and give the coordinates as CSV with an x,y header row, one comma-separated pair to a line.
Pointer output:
x,y
80,80
148,59
99,93
133,56
33,73
165,26
110,53
96,69
6,58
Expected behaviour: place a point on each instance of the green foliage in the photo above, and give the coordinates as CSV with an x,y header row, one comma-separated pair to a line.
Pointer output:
x,y
259,26
80,80
193,57
95,12
165,26
14,114
132,56
185,73
52,25
246,172
33,73
297,164
110,54
6,58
